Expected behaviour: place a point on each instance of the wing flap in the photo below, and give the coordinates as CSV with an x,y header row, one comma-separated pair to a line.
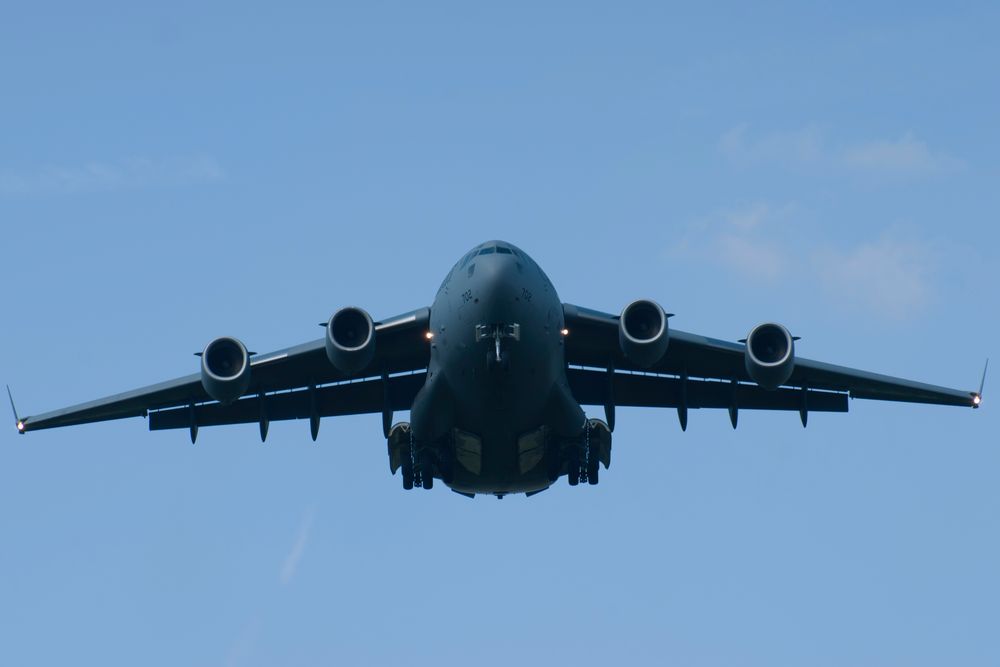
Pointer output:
x,y
350,398
590,387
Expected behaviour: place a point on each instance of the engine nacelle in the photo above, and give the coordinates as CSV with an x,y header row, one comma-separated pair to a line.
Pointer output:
x,y
642,332
225,369
350,339
770,355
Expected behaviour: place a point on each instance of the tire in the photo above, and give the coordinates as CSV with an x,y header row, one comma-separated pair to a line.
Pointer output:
x,y
428,479
407,478
573,476
593,474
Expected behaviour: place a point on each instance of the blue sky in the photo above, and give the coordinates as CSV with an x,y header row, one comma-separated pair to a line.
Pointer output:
x,y
170,174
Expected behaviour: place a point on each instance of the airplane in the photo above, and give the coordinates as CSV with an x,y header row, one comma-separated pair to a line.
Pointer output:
x,y
495,373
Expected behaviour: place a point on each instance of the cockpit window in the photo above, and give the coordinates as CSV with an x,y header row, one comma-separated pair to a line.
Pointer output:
x,y
505,251
488,251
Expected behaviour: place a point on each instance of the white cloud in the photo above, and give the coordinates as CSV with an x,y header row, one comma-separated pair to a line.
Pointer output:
x,y
905,156
888,276
127,174
748,218
291,562
752,258
801,145
744,240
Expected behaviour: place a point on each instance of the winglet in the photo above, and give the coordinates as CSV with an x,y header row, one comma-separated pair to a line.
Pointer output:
x,y
17,420
977,397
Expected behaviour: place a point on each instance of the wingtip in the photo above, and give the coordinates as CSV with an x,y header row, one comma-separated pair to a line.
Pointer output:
x,y
977,396
18,422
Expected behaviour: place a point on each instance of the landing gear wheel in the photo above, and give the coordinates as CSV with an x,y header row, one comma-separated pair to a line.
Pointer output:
x,y
573,476
428,479
593,473
407,477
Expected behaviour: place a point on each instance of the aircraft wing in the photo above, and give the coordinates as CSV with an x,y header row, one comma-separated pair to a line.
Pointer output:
x,y
296,382
697,371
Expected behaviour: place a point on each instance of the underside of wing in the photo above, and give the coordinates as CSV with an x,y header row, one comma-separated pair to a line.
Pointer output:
x,y
593,387
594,341
398,350
367,396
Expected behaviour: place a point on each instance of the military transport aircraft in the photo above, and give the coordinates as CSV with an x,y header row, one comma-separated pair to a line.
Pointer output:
x,y
494,374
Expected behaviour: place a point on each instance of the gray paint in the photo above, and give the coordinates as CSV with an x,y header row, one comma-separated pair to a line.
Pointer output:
x,y
498,375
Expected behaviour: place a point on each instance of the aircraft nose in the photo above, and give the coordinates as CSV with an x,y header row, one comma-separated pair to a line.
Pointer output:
x,y
498,274
500,286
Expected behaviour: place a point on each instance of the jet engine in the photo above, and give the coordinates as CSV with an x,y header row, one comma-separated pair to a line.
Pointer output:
x,y
350,339
642,332
770,355
225,369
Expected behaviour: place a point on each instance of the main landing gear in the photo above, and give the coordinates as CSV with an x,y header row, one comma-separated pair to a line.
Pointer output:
x,y
419,463
581,458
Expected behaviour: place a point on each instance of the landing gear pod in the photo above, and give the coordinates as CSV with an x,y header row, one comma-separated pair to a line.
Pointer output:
x,y
770,355
642,332
225,369
350,339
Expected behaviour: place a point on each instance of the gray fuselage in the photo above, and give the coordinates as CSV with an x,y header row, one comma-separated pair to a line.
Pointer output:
x,y
497,369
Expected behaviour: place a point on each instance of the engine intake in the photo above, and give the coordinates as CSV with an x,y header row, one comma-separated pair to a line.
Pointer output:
x,y
350,339
225,369
770,355
642,332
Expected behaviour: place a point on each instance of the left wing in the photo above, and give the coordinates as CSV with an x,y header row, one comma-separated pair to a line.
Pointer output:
x,y
697,371
294,383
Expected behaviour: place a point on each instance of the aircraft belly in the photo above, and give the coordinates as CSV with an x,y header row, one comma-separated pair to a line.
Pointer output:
x,y
497,420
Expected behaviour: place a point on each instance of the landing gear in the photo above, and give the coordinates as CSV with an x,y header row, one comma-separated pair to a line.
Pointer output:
x,y
579,472
573,468
413,477
422,464
417,462
582,458
495,363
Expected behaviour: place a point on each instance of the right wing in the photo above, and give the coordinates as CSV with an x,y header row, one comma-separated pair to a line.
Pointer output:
x,y
297,382
698,371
